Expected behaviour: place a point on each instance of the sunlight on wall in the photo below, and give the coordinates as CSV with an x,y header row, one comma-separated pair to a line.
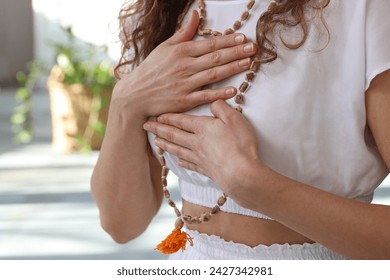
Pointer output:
x,y
92,21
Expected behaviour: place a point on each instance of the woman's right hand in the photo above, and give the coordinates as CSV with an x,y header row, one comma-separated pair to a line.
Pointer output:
x,y
171,78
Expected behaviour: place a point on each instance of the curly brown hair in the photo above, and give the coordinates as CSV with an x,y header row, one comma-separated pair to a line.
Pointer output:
x,y
157,20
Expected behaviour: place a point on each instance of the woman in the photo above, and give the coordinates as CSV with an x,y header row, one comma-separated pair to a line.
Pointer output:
x,y
294,180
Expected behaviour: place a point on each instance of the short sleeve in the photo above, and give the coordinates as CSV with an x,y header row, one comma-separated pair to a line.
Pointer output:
x,y
377,38
129,54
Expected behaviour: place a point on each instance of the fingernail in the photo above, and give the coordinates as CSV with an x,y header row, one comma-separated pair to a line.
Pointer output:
x,y
147,126
244,62
239,38
230,91
249,48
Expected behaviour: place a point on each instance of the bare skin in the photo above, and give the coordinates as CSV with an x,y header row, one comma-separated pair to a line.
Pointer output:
x,y
354,229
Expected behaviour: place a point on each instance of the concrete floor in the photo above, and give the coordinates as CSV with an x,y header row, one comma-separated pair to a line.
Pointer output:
x,y
46,210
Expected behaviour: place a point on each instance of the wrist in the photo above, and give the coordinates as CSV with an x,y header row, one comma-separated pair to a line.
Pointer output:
x,y
250,185
125,114
128,100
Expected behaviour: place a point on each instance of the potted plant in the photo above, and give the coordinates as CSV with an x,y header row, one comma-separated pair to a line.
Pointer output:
x,y
79,86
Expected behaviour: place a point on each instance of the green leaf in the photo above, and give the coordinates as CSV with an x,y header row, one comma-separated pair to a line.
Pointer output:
x,y
21,77
18,118
22,94
99,128
23,137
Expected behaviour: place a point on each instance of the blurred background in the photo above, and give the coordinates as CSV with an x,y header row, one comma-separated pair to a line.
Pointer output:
x,y
56,59
46,154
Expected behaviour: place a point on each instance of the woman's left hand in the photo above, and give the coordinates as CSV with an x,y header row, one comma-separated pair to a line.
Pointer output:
x,y
219,147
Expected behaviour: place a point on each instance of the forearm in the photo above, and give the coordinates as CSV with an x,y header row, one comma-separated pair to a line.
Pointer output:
x,y
122,181
354,229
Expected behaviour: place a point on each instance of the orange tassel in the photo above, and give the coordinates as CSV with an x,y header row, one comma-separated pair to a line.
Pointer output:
x,y
174,242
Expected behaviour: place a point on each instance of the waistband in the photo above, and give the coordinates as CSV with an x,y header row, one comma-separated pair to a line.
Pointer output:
x,y
211,247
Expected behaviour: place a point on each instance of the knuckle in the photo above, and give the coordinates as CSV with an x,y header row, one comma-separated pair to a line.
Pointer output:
x,y
212,44
163,145
178,86
216,57
179,153
170,136
181,68
180,49
183,100
212,75
204,96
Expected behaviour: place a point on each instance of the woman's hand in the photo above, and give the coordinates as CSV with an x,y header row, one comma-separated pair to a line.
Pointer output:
x,y
219,147
171,78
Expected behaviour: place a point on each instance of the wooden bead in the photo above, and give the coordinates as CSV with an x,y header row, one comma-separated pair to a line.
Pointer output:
x,y
207,32
237,25
215,209
221,201
171,203
255,66
164,182
250,76
239,99
179,223
164,171
205,217
162,161
245,16
177,212
167,194
250,4
202,21
228,31
216,33
186,218
202,13
160,151
239,109
243,87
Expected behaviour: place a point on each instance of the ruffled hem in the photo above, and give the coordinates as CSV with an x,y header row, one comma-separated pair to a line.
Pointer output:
x,y
211,247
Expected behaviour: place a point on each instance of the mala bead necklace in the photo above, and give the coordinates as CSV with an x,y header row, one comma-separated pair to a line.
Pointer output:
x,y
178,239
237,24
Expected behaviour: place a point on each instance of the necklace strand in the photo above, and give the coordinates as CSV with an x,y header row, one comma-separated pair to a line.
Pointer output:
x,y
236,25
170,245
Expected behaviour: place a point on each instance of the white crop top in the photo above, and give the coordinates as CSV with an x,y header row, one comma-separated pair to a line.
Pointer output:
x,y
308,106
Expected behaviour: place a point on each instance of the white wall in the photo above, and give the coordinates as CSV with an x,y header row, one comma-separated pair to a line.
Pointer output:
x,y
93,21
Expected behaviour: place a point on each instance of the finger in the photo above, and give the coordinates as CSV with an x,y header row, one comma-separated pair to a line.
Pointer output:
x,y
170,133
191,166
209,95
224,56
205,46
176,150
187,32
223,111
183,121
218,73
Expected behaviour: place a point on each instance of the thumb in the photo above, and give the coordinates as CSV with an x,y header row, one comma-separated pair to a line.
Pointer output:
x,y
222,110
187,32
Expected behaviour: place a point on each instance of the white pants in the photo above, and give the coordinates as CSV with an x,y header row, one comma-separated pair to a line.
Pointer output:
x,y
215,248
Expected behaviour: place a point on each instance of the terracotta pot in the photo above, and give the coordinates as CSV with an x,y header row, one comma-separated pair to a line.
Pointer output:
x,y
73,111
